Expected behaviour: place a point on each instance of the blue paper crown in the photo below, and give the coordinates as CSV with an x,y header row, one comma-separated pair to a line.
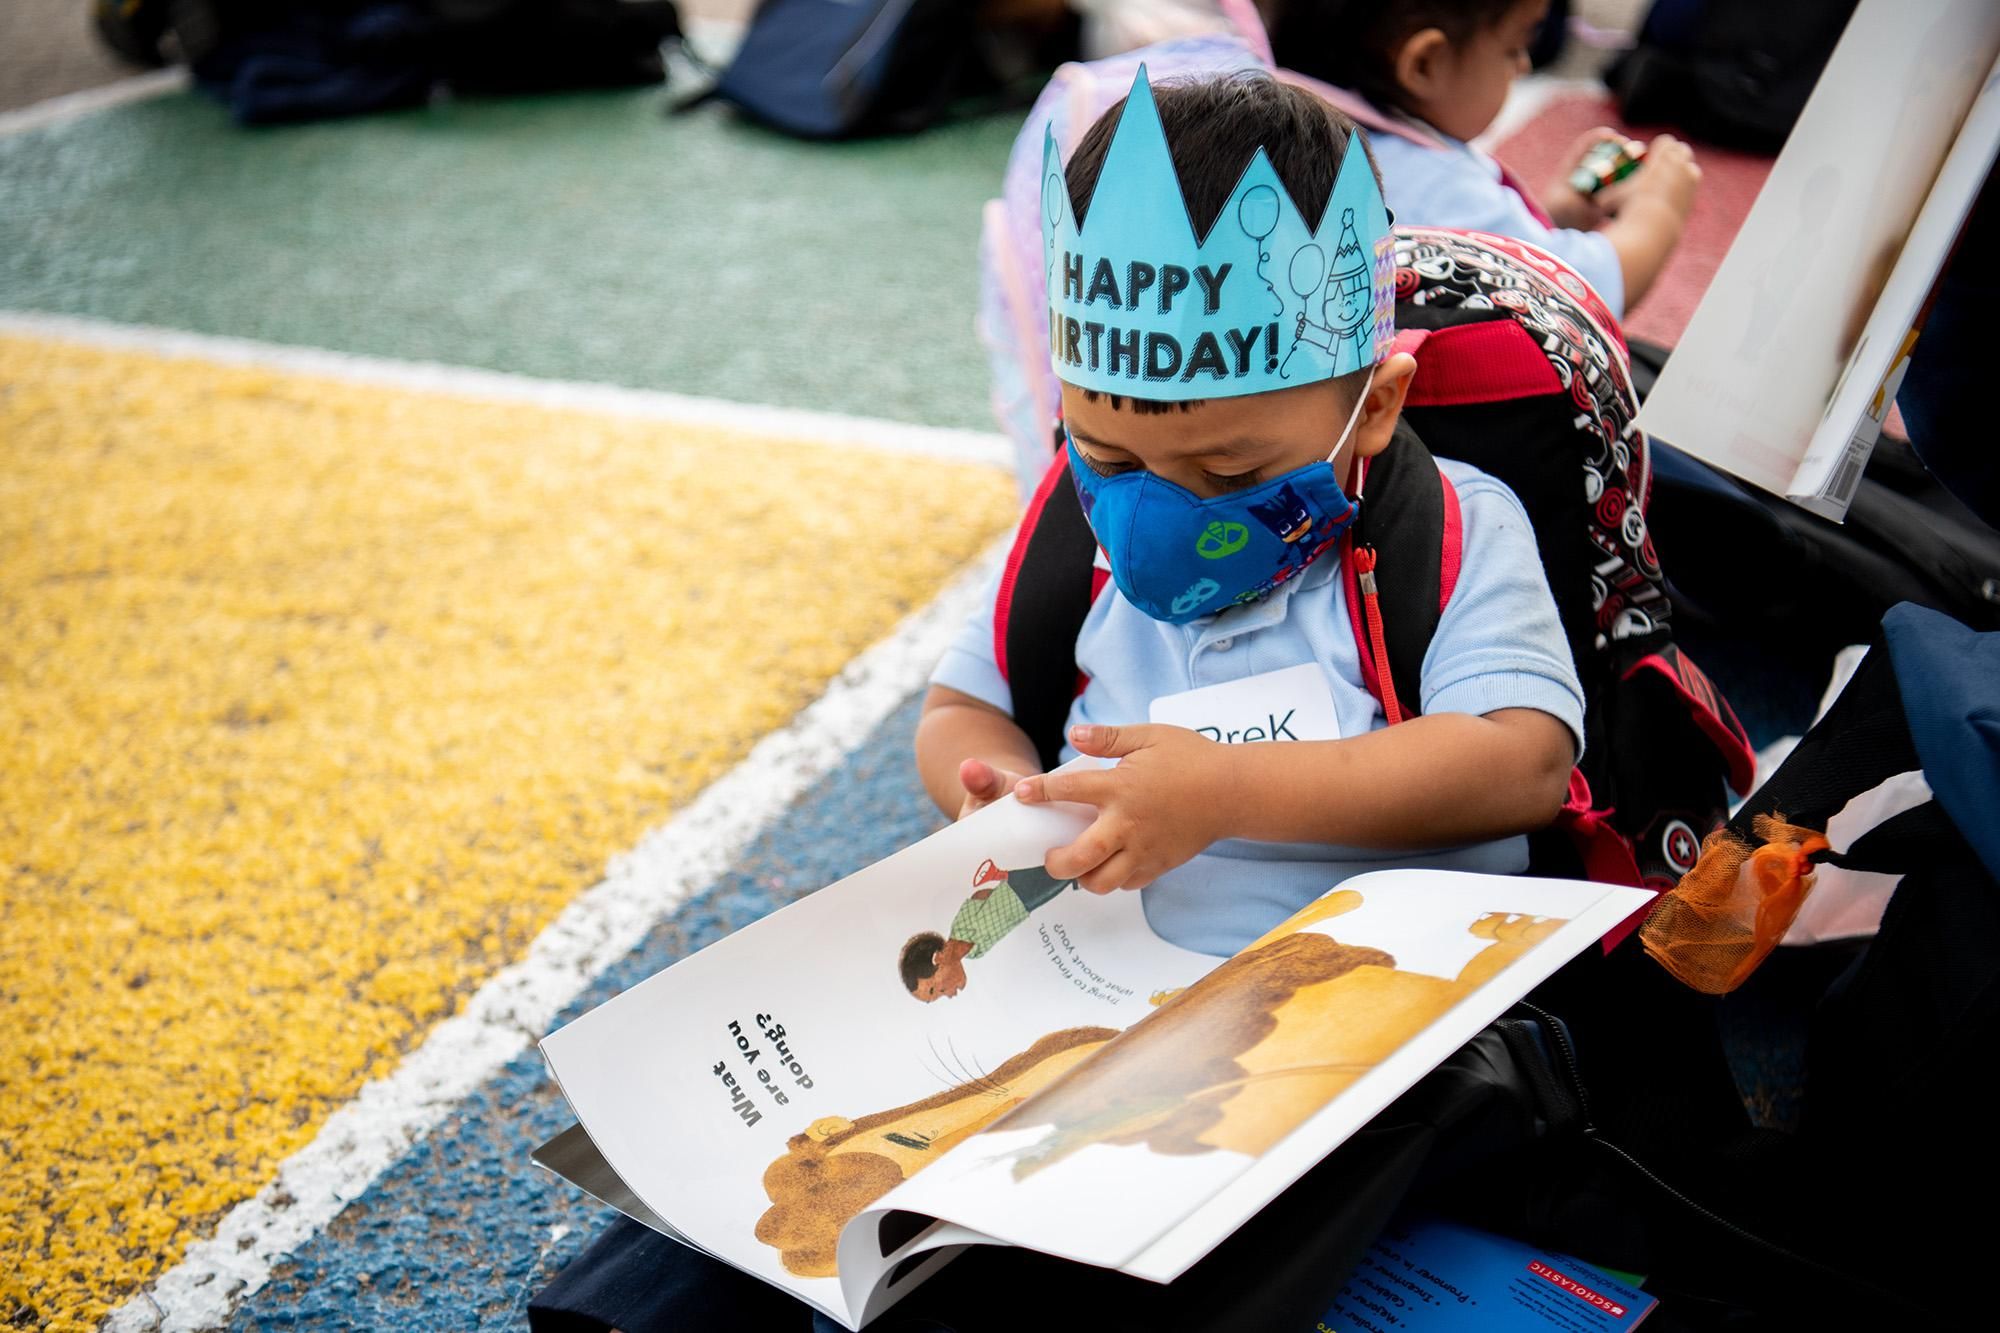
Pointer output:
x,y
1141,306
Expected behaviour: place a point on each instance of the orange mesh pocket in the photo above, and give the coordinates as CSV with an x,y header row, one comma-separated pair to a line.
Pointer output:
x,y
1726,915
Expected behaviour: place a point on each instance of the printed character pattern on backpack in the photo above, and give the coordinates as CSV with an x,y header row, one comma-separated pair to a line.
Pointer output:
x,y
1499,327
1576,331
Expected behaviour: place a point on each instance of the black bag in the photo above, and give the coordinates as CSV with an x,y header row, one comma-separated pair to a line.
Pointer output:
x,y
832,69
528,46
1813,1226
133,29
1732,73
1761,569
317,59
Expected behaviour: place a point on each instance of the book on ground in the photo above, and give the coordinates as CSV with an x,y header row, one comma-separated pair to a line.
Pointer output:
x,y
1426,1275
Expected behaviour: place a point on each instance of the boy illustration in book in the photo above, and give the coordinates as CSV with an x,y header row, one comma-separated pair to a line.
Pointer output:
x,y
1243,1057
933,965
838,1167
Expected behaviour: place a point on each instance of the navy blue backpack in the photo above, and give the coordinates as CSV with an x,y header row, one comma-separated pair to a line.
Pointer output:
x,y
832,69
825,69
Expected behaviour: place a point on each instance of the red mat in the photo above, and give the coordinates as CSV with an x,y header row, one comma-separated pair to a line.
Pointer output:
x,y
1729,184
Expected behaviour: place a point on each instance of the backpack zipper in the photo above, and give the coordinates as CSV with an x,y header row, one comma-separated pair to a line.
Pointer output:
x,y
1378,645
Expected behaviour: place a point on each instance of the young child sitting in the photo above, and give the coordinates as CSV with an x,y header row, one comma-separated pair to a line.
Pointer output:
x,y
1438,72
1220,397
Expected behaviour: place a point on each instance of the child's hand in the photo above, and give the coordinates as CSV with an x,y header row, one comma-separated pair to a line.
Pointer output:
x,y
1565,207
1670,178
984,784
1156,810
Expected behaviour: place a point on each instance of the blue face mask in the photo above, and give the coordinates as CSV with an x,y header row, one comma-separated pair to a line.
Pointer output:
x,y
1178,557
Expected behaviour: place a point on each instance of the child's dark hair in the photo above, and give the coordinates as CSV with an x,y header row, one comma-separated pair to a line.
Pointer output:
x,y
1214,128
919,959
1353,43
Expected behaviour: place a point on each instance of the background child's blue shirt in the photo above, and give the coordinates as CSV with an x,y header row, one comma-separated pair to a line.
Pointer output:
x,y
1459,186
1498,645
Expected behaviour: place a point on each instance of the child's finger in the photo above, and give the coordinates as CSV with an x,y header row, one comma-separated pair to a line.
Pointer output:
x,y
980,779
1110,876
985,783
1088,787
1077,859
1113,742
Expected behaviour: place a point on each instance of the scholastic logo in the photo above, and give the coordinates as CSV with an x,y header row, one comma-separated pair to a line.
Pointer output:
x,y
1577,1289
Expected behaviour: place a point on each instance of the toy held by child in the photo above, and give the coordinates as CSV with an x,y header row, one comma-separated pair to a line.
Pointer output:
x,y
1606,162
1434,74
1221,292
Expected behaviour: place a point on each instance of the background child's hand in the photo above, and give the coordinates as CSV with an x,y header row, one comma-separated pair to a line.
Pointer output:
x,y
1669,178
1567,208
1156,810
984,784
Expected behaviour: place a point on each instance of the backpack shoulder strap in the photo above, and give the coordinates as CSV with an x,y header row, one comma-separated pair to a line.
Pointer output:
x,y
1400,566
1409,534
1045,593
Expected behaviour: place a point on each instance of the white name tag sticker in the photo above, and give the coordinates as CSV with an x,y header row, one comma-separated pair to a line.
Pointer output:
x,y
1290,705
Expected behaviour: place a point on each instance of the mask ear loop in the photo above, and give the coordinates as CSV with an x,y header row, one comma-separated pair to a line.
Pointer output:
x,y
1352,417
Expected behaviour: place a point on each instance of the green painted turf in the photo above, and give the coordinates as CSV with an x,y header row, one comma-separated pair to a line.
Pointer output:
x,y
584,237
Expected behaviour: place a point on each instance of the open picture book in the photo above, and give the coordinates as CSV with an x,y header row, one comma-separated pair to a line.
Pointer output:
x,y
808,1101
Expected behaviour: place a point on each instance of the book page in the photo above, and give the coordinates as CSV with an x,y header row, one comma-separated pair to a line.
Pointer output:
x,y
1180,1129
1754,376
760,1094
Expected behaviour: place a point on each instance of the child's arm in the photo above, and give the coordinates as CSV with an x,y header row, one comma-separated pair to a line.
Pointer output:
x,y
1648,211
1435,781
954,726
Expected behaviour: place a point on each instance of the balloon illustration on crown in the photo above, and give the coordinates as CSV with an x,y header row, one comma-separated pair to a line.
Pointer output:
x,y
1141,306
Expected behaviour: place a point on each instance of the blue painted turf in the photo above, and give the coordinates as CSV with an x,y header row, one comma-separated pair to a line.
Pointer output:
x,y
463,1230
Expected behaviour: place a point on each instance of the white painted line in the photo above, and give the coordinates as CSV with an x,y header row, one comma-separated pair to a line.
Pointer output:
x,y
832,428
56,110
513,1009
1525,101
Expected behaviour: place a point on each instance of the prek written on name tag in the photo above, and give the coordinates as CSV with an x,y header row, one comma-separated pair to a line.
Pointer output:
x,y
1289,705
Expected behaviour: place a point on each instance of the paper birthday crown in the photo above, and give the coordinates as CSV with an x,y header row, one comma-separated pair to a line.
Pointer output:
x,y
1141,306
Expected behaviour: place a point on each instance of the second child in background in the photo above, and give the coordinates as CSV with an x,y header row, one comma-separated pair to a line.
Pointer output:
x,y
1443,68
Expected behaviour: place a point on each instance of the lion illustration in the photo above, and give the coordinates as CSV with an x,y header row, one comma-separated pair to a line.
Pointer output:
x,y
1243,1057
838,1167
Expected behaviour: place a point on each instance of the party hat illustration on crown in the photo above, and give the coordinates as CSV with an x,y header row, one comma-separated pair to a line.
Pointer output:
x,y
1141,305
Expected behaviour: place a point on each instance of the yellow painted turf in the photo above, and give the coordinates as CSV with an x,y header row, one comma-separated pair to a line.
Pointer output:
x,y
318,702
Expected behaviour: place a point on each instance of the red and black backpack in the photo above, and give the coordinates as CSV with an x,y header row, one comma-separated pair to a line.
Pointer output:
x,y
1523,373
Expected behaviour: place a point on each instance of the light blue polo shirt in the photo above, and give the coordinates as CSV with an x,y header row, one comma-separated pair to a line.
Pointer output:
x,y
1458,186
1498,645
